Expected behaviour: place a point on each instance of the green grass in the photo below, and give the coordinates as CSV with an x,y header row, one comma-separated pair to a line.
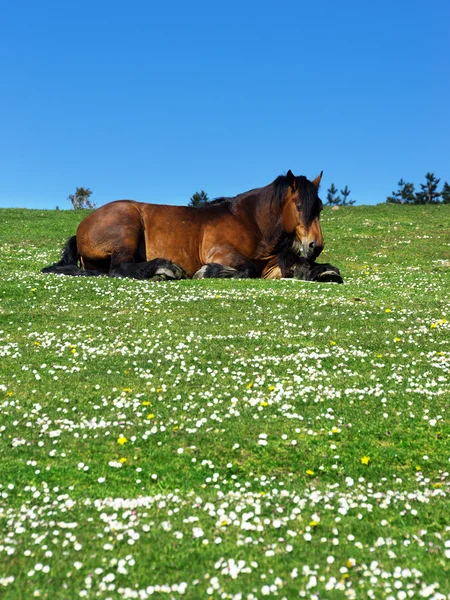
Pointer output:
x,y
249,410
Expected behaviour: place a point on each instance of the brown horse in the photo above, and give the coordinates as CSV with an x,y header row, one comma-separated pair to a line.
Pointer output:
x,y
244,236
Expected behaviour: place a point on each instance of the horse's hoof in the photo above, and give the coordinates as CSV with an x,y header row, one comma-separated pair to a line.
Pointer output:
x,y
329,277
200,274
172,272
178,272
165,273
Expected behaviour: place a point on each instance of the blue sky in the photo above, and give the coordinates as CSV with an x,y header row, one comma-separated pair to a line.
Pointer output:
x,y
156,100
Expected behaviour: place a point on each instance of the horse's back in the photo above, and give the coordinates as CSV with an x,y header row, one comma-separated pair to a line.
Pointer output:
x,y
138,231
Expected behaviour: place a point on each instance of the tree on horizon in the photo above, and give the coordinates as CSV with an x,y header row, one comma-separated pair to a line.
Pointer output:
x,y
445,194
81,198
429,193
198,199
345,194
332,199
404,195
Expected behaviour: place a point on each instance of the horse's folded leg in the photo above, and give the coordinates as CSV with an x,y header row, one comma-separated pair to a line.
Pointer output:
x,y
215,270
331,276
158,269
325,273
308,270
171,270
302,269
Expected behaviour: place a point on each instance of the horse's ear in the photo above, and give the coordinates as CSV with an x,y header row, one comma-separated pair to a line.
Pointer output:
x,y
317,180
291,180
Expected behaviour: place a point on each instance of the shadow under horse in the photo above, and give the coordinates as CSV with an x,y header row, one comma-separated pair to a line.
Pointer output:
x,y
268,232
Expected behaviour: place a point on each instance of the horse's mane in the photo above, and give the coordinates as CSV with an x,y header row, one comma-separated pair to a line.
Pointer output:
x,y
307,192
218,200
276,192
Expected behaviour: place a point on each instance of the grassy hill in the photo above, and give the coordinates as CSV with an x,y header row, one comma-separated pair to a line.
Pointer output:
x,y
228,439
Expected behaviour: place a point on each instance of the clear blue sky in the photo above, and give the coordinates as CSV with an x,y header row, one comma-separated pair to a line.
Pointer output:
x,y
156,100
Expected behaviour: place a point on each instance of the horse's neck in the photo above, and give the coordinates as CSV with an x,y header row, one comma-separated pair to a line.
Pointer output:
x,y
260,211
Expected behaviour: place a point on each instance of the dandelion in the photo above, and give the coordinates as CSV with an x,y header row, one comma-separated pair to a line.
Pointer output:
x,y
122,460
365,460
151,416
310,472
122,440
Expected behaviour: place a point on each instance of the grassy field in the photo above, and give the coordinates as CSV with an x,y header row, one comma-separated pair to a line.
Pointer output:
x,y
228,439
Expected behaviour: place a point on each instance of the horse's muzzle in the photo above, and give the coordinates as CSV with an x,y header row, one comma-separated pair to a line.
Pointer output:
x,y
312,250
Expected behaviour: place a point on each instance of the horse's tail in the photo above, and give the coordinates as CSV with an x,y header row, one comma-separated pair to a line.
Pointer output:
x,y
68,265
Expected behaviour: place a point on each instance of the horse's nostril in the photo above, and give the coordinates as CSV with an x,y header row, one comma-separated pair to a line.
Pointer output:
x,y
312,245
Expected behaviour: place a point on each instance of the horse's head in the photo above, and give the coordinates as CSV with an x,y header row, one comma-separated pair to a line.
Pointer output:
x,y
301,208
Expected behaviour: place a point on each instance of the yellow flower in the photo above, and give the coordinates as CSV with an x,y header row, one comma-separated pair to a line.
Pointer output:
x,y
151,416
249,385
309,472
122,440
10,393
126,390
379,356
37,343
264,403
365,460
397,339
158,390
333,343
223,523
335,430
271,388
314,523
433,325
388,310
418,468
146,403
122,460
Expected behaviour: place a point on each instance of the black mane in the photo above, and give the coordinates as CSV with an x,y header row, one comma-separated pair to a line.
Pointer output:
x,y
218,200
307,193
310,202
